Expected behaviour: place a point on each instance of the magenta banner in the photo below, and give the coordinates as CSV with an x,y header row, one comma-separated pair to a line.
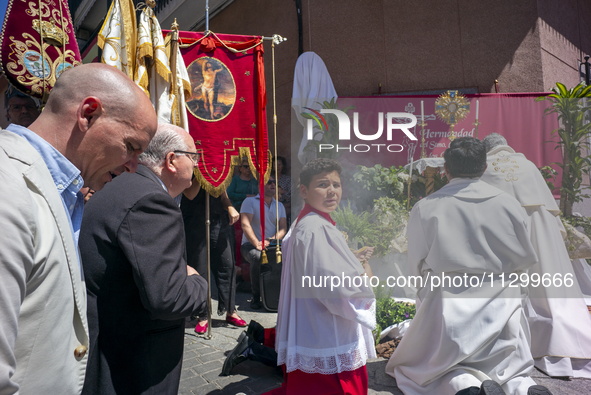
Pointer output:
x,y
517,117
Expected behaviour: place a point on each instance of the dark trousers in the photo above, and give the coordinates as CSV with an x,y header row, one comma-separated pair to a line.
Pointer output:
x,y
223,270
253,256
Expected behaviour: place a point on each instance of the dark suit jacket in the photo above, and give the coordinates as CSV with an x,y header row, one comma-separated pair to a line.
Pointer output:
x,y
132,244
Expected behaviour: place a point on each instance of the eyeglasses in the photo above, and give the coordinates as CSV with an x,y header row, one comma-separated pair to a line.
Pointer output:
x,y
246,166
271,182
194,156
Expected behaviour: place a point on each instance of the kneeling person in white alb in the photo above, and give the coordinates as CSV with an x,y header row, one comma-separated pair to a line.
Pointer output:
x,y
467,339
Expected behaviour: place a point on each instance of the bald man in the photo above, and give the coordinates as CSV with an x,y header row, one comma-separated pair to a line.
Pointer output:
x,y
95,124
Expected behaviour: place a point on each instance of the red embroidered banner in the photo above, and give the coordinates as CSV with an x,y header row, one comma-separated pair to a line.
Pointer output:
x,y
37,46
227,109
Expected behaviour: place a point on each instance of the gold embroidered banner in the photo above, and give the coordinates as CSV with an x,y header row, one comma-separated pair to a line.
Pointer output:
x,y
37,44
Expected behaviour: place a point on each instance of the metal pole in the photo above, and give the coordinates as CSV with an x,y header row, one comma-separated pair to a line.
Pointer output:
x,y
173,60
587,70
207,243
206,15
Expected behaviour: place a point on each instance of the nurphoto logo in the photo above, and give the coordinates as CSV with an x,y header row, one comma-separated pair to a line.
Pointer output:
x,y
394,121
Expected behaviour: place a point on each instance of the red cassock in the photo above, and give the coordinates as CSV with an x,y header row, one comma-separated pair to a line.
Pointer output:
x,y
297,382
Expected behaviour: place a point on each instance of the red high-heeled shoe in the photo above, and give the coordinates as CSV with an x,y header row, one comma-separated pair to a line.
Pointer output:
x,y
201,329
239,322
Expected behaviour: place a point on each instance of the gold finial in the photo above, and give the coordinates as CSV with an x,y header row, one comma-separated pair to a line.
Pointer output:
x,y
174,26
151,3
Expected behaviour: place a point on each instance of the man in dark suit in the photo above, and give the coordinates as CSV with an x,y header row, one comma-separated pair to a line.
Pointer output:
x,y
139,286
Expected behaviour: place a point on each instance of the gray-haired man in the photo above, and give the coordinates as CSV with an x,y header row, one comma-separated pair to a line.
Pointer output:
x,y
139,286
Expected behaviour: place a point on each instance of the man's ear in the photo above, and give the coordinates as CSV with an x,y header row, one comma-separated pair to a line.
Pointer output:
x,y
88,112
170,162
303,191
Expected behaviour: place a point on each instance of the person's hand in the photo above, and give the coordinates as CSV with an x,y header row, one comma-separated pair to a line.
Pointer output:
x,y
233,215
267,243
364,254
259,246
191,271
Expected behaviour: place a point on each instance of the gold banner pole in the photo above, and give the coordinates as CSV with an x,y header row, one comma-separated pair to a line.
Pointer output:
x,y
176,114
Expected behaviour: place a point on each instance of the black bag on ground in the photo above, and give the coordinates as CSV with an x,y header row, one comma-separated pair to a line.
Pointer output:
x,y
271,280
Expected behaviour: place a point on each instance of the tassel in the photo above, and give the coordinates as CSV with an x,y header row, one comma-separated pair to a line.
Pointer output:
x,y
264,259
278,255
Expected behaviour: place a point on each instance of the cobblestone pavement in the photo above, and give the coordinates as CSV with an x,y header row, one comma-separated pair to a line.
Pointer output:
x,y
203,360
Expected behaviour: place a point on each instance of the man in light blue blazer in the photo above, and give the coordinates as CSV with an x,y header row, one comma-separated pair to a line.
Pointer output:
x,y
95,124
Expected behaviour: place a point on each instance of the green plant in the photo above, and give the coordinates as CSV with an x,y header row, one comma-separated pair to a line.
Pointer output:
x,y
391,218
568,104
329,132
389,312
549,175
371,183
356,226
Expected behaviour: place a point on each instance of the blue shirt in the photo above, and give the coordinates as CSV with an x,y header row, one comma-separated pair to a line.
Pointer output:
x,y
252,205
66,177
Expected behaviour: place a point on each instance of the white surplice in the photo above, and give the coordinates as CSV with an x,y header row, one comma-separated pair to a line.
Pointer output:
x,y
461,336
559,321
319,330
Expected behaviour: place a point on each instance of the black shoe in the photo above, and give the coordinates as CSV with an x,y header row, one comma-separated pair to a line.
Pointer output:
x,y
235,357
469,391
490,387
538,390
256,331
255,303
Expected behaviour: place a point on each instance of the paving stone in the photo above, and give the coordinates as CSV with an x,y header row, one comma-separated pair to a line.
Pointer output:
x,y
218,355
207,367
203,360
207,389
192,383
187,373
232,379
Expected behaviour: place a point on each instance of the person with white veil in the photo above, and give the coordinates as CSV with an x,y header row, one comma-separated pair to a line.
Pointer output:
x,y
311,85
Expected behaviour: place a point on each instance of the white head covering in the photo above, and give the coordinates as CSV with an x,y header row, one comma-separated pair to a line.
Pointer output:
x,y
311,84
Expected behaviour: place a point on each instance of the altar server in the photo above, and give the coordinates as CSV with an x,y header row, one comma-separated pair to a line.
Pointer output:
x,y
323,334
558,317
465,338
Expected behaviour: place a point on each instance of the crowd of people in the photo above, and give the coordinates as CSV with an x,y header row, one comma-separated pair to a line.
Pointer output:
x,y
96,290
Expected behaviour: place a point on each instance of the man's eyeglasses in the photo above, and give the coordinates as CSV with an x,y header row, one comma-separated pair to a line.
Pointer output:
x,y
194,156
246,166
271,182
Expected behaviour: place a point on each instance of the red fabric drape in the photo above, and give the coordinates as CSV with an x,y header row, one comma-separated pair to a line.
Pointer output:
x,y
516,116
226,113
23,61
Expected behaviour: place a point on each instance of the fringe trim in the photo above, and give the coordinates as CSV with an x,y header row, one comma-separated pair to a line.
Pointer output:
x,y
144,81
100,38
187,89
162,70
244,152
145,50
100,41
176,117
217,191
